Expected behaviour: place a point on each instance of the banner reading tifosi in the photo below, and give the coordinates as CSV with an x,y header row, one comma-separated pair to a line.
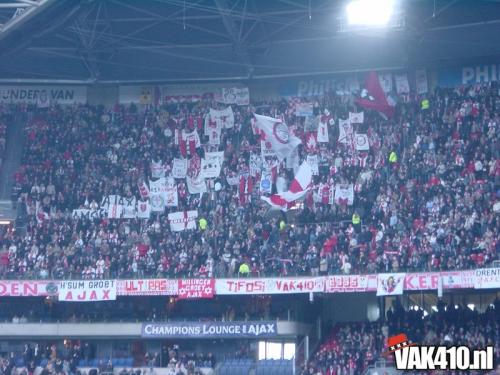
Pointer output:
x,y
87,290
270,286
487,278
207,330
43,96
145,287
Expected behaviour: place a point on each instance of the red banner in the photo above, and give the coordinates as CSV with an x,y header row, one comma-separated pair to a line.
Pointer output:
x,y
147,287
196,288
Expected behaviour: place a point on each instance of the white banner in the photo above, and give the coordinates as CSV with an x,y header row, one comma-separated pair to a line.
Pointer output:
x,y
486,278
312,160
322,135
171,196
129,207
390,284
361,141
402,85
147,287
266,183
136,94
211,164
179,168
223,118
84,213
87,290
236,95
346,132
287,285
344,194
182,220
143,210
356,117
421,81
255,164
304,109
157,169
40,95
385,80
158,194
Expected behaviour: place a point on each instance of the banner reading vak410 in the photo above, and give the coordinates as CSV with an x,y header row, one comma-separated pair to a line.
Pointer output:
x,y
87,290
208,330
43,96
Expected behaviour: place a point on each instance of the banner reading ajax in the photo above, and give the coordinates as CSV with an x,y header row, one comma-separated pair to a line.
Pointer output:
x,y
208,330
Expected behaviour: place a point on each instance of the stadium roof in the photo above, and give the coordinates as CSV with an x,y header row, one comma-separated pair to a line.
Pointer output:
x,y
182,40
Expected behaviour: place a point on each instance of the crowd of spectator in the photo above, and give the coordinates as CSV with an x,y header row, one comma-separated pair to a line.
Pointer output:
x,y
426,192
352,347
75,358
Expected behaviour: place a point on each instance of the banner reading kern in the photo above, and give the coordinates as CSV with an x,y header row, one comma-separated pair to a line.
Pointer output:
x,y
87,290
487,278
208,330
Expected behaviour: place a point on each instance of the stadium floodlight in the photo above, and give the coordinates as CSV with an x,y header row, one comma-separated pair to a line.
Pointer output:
x,y
369,12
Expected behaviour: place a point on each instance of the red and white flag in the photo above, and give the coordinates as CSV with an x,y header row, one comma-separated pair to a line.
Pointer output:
x,y
298,188
143,190
276,132
182,220
374,97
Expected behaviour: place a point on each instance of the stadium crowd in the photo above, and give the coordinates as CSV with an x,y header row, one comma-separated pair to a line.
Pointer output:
x,y
426,192
352,347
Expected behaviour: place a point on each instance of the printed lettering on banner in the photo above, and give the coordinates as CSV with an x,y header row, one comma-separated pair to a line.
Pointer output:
x,y
361,141
197,330
385,80
422,281
129,207
402,85
349,283
270,286
356,117
390,284
458,279
421,81
266,183
83,213
487,278
312,160
157,169
157,194
255,164
143,209
182,220
22,288
41,95
196,288
171,196
147,287
304,109
211,164
113,205
179,168
346,132
236,95
87,290
344,194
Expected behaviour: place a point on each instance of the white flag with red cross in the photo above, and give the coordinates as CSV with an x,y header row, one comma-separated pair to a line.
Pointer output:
x,y
182,220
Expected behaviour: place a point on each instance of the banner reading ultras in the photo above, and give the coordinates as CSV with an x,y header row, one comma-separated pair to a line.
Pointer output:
x,y
87,290
206,330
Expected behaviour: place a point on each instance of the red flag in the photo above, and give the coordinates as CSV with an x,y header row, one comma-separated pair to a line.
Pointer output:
x,y
376,98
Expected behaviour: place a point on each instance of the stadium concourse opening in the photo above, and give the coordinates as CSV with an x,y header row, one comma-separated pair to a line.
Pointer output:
x,y
249,187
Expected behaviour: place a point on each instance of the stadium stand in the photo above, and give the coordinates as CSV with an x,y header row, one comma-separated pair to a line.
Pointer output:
x,y
446,162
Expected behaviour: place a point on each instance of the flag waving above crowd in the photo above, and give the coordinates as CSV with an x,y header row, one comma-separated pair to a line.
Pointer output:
x,y
373,97
276,133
